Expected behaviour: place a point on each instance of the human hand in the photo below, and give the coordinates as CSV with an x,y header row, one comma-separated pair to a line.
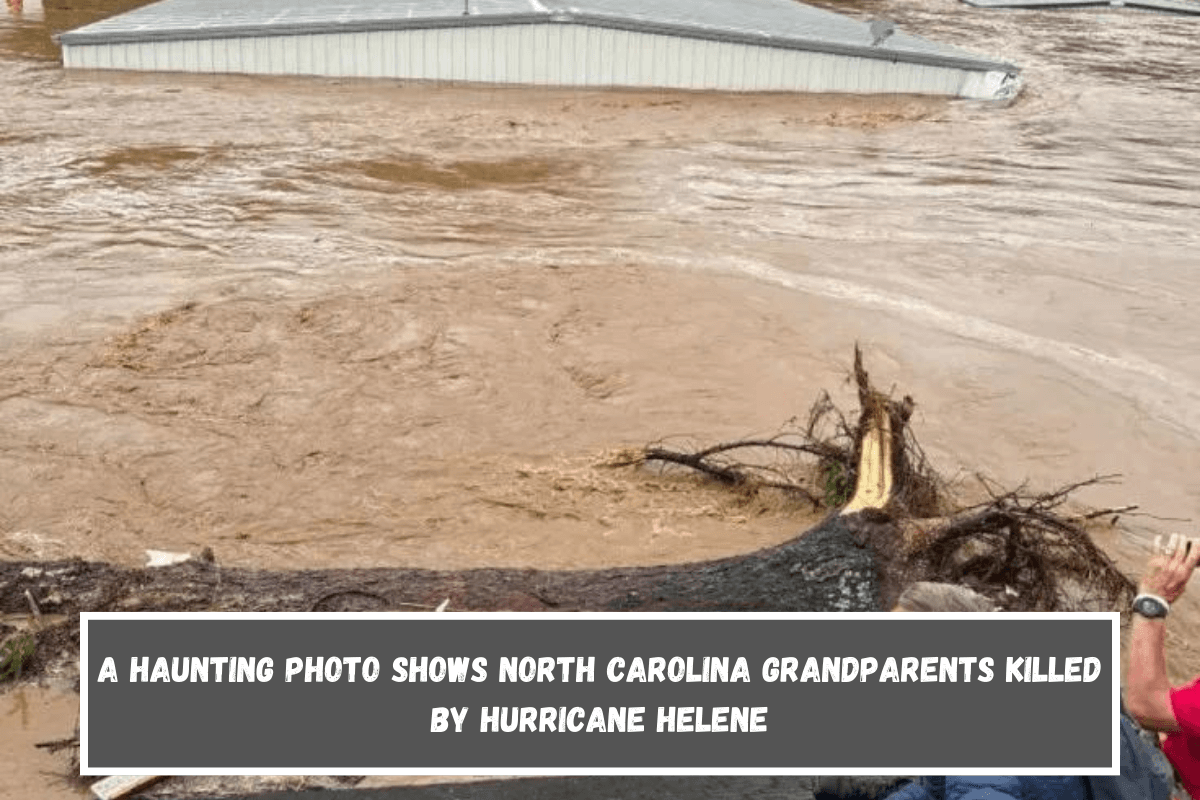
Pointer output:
x,y
1170,567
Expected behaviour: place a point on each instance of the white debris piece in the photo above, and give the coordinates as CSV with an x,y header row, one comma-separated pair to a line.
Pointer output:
x,y
115,786
164,558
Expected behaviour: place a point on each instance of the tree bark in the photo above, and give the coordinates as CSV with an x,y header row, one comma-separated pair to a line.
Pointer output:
x,y
829,568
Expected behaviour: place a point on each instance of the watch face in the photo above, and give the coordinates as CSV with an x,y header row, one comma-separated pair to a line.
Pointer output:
x,y
1149,607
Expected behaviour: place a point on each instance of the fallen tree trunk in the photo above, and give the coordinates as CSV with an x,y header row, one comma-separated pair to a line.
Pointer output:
x,y
826,569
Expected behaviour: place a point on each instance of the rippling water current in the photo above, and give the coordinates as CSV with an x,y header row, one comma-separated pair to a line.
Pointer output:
x,y
1028,271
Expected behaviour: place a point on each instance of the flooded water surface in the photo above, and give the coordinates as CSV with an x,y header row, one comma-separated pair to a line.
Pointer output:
x,y
291,316
314,322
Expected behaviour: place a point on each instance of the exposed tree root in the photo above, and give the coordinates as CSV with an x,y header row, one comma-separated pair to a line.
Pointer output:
x,y
1022,550
1019,548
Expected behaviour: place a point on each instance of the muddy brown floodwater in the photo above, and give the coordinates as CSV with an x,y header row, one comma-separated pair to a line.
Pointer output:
x,y
339,323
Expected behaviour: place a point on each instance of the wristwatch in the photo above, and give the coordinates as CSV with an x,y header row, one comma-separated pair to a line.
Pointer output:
x,y
1151,606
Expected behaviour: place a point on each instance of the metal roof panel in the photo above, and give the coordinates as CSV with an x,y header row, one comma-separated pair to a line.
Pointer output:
x,y
778,23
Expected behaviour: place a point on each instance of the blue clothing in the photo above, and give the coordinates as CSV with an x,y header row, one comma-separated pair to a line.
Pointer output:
x,y
1145,775
986,787
1145,771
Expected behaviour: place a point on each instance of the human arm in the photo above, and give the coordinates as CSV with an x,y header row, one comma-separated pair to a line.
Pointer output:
x,y
1148,690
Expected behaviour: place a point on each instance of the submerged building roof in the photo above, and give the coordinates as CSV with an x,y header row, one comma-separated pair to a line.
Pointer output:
x,y
773,24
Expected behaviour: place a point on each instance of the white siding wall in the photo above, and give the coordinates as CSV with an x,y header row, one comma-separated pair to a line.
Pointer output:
x,y
554,54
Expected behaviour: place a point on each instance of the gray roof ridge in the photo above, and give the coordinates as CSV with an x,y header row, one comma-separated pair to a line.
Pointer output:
x,y
961,58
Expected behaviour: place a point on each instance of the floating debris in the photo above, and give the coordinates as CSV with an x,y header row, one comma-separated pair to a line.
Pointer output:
x,y
164,558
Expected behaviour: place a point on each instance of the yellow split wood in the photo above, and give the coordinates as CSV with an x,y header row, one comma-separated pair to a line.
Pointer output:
x,y
874,485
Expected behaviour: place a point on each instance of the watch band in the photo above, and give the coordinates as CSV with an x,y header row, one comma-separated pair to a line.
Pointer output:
x,y
1147,596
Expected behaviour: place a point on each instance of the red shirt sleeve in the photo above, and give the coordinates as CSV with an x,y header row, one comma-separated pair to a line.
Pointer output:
x,y
1185,704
